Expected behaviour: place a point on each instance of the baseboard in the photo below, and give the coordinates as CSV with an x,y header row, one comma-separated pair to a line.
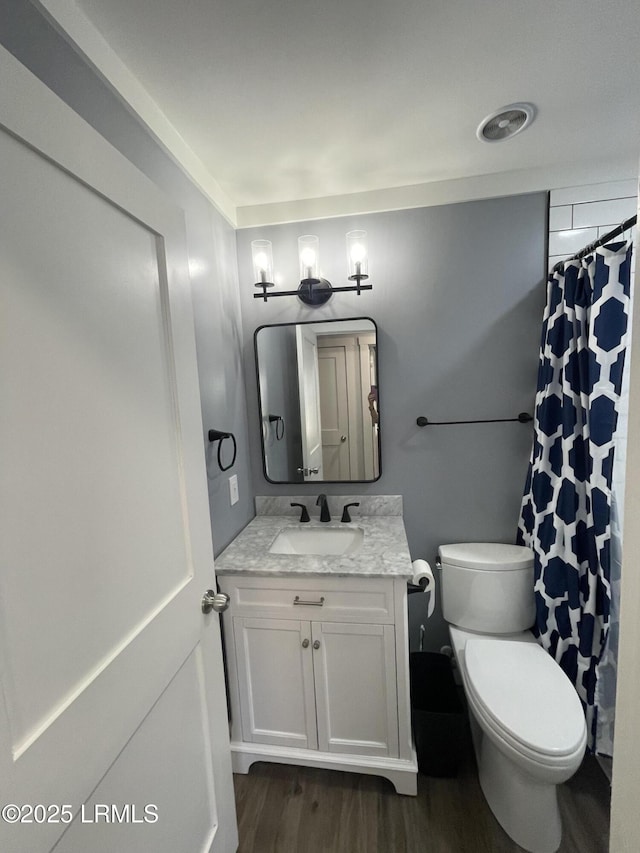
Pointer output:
x,y
400,772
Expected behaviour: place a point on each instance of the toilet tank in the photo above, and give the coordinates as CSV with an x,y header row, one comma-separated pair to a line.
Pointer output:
x,y
487,587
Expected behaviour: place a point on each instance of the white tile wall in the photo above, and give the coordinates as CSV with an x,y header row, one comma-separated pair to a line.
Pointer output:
x,y
568,242
560,217
603,212
579,215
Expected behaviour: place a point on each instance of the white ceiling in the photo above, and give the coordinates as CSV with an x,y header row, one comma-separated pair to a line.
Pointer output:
x,y
299,99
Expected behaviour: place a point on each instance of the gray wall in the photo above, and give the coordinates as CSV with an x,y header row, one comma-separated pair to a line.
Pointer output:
x,y
458,299
277,354
211,245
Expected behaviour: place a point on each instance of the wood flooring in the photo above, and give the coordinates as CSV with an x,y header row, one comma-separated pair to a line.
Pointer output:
x,y
285,809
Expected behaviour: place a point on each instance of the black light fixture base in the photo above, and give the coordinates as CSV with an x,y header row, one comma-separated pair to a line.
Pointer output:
x,y
315,291
359,278
264,285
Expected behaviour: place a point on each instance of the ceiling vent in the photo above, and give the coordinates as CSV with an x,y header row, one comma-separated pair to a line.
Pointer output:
x,y
506,122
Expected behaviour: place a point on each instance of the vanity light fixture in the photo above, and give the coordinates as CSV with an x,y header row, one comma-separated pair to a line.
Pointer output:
x,y
262,257
313,290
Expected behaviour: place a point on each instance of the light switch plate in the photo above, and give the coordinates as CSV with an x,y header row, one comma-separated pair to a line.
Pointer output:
x,y
234,495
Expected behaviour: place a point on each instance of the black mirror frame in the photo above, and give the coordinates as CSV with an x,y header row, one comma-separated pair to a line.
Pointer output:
x,y
262,415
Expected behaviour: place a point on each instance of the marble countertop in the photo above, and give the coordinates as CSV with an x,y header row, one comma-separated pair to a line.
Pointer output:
x,y
384,550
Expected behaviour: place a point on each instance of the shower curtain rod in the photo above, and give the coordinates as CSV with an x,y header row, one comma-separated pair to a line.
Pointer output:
x,y
615,232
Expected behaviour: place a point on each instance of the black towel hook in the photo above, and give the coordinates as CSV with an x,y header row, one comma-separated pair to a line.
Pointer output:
x,y
217,435
279,422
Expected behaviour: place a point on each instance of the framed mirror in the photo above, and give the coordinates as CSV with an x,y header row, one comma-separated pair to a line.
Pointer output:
x,y
318,395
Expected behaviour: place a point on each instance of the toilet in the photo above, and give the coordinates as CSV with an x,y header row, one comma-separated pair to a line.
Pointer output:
x,y
527,722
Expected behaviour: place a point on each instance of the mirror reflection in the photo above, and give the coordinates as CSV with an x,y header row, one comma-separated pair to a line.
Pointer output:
x,y
318,389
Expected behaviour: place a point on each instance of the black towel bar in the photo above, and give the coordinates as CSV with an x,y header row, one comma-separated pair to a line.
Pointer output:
x,y
523,418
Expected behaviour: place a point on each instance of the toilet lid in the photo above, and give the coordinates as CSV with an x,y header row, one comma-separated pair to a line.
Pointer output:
x,y
524,691
487,556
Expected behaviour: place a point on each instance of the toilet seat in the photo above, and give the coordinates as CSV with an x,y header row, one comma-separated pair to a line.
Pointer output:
x,y
525,700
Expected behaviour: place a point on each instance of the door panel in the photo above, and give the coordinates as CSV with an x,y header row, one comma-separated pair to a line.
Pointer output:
x,y
91,405
356,700
307,351
176,780
332,366
342,396
105,549
275,672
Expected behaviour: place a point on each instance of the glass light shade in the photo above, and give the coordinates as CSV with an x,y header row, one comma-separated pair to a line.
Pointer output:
x,y
309,254
262,257
357,256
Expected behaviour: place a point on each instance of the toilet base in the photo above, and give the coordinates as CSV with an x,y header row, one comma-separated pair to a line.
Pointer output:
x,y
526,808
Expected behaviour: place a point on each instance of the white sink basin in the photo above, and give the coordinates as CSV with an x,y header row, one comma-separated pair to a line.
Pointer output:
x,y
317,540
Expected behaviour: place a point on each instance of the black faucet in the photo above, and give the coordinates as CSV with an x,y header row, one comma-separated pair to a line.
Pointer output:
x,y
304,515
324,508
345,512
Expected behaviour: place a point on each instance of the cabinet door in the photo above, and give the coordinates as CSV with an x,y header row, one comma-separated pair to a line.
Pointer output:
x,y
275,675
355,678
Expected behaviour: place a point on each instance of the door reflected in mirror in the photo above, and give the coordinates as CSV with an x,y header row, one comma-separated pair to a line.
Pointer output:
x,y
318,390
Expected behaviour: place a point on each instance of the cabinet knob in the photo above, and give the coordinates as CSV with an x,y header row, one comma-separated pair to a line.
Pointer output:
x,y
316,644
305,644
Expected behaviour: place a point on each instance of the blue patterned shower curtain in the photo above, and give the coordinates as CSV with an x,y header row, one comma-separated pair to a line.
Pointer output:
x,y
566,509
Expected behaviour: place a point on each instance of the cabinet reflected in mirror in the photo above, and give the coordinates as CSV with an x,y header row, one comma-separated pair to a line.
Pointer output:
x,y
318,394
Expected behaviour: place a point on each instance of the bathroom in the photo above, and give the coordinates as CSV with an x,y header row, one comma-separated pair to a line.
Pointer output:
x,y
458,294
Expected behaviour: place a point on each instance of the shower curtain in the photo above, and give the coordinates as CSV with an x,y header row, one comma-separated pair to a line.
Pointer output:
x,y
566,509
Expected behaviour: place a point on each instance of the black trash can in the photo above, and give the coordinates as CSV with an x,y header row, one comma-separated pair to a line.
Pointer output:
x,y
437,714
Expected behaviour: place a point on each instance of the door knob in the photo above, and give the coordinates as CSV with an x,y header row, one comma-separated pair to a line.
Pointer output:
x,y
343,438
305,643
316,644
218,601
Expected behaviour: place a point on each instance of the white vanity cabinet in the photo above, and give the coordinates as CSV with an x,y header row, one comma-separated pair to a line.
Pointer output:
x,y
318,673
275,681
317,685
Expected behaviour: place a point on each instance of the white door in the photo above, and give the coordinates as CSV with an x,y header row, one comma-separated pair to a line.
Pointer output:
x,y
275,675
307,351
113,721
334,413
